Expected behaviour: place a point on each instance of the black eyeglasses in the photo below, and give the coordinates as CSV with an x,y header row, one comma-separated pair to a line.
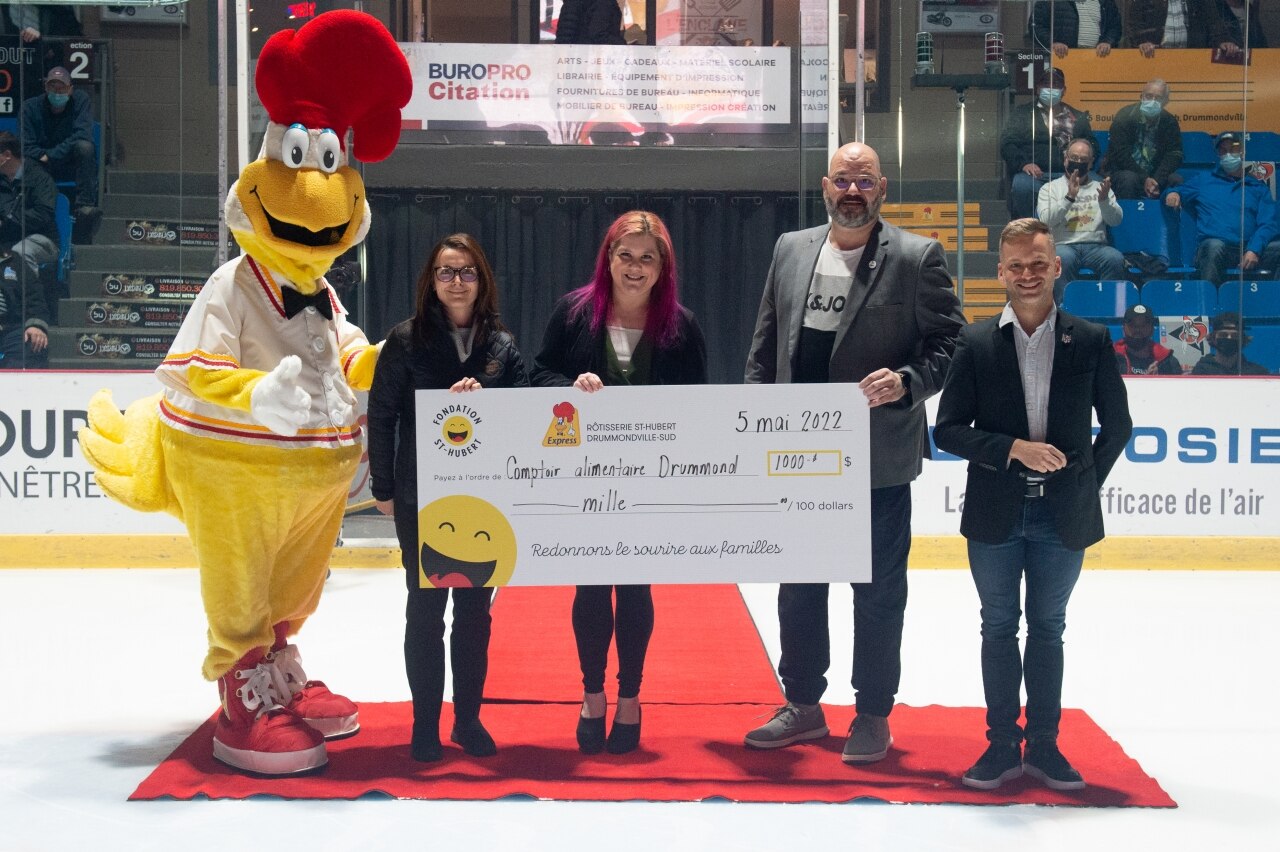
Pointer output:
x,y
445,274
864,183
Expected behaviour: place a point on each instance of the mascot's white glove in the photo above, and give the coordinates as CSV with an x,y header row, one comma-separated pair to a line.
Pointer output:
x,y
277,402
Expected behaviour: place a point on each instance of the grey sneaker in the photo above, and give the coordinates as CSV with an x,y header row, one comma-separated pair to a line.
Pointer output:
x,y
791,723
869,739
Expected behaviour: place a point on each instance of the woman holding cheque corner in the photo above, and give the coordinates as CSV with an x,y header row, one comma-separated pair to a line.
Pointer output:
x,y
454,341
624,327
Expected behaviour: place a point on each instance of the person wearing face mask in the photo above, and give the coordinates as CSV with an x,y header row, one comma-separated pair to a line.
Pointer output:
x,y
29,237
1235,216
1078,208
58,134
1228,340
1035,137
1137,352
1146,146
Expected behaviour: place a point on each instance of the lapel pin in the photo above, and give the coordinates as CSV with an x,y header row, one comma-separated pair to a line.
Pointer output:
x,y
1066,339
871,265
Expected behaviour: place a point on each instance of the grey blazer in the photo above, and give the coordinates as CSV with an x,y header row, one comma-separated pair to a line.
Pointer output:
x,y
902,314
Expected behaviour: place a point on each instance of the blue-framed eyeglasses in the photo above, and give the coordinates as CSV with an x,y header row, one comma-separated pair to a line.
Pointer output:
x,y
864,183
445,274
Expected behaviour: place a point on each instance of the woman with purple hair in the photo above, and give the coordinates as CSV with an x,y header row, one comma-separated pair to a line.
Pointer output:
x,y
626,326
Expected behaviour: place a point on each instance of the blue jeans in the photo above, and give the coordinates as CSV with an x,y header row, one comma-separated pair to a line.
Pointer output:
x,y
1214,257
1033,549
878,609
1024,190
1106,262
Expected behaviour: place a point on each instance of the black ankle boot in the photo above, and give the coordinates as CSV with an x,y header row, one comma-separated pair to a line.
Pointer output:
x,y
425,745
623,737
473,738
590,735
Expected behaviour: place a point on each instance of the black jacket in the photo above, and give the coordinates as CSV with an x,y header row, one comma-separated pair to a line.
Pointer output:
x,y
405,366
1124,135
1026,139
983,409
26,205
570,348
590,22
1058,21
1146,19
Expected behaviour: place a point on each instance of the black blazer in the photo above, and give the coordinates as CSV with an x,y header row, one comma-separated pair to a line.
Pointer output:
x,y
570,348
982,411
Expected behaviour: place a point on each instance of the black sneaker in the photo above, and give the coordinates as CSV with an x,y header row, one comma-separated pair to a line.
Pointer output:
x,y
1045,762
1001,762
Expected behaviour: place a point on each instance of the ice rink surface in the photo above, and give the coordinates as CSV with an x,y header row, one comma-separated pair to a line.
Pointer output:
x,y
100,675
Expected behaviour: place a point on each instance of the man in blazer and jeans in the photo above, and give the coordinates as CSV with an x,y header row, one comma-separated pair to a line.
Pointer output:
x,y
856,301
1019,404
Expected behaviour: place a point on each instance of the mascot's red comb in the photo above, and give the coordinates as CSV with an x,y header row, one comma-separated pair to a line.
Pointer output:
x,y
341,70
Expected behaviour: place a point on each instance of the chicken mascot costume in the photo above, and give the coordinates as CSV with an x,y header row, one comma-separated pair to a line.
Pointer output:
x,y
255,439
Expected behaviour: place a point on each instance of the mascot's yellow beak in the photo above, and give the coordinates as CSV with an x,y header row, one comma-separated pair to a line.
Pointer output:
x,y
298,217
302,210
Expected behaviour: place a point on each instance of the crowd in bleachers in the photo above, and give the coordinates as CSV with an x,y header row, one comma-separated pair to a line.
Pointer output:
x,y
1169,234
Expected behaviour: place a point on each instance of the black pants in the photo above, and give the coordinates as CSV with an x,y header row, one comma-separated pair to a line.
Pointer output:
x,y
424,640
878,610
595,624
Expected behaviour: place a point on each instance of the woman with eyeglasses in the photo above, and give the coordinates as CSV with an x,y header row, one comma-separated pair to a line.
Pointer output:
x,y
454,341
626,326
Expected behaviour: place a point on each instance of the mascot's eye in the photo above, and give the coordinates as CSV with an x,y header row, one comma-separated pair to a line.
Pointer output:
x,y
330,151
294,146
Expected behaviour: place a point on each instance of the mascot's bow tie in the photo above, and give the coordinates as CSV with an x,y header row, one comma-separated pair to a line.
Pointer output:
x,y
294,302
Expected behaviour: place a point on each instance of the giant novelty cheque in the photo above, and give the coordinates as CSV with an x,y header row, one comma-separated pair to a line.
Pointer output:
x,y
677,484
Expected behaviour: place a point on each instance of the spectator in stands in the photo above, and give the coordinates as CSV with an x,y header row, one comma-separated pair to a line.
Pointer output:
x,y
1138,353
1177,23
58,134
590,22
1228,339
1239,16
1146,146
1078,208
1059,26
29,236
1035,137
1221,202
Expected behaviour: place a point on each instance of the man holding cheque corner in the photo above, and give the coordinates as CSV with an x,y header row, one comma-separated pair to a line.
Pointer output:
x,y
856,301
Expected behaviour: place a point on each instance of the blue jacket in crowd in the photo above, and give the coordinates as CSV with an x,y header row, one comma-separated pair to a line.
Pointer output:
x,y
1213,199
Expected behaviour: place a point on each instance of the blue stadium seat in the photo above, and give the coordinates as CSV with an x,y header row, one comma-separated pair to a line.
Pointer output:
x,y
1197,149
1104,138
1262,145
1184,246
1260,298
1143,227
1265,348
1099,298
1180,297
62,218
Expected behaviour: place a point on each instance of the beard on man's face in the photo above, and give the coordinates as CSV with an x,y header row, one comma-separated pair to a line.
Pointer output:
x,y
853,211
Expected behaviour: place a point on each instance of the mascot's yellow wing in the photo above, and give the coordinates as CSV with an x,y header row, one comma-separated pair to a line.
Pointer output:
x,y
126,455
228,388
358,363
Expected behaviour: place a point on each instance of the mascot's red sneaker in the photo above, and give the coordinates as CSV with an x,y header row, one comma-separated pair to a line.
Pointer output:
x,y
255,733
332,715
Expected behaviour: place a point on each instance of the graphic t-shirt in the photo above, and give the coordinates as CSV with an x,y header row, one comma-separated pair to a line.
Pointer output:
x,y
829,291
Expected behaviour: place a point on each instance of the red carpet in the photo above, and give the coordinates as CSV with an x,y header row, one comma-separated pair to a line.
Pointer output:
x,y
705,649
689,752
707,681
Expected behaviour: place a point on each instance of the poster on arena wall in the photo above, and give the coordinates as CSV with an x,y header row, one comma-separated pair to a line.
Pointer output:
x,y
46,486
1203,461
565,90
